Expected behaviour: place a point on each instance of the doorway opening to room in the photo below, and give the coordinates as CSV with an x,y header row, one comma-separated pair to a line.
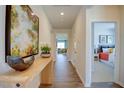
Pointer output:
x,y
61,43
103,46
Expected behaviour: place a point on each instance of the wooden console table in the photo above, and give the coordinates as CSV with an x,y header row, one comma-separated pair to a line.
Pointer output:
x,y
40,72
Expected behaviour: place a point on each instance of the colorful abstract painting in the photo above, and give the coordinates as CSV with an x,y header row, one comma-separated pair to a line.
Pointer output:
x,y
24,31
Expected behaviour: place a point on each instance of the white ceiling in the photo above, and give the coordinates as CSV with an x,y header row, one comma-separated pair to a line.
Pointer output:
x,y
62,22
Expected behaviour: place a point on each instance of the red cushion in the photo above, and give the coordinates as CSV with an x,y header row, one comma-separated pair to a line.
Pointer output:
x,y
104,56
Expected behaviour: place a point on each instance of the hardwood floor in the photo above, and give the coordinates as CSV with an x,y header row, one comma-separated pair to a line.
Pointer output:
x,y
66,76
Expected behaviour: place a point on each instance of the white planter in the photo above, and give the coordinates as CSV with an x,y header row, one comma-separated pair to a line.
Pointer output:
x,y
45,55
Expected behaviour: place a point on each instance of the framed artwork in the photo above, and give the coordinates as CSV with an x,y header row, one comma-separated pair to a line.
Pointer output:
x,y
22,31
110,39
102,39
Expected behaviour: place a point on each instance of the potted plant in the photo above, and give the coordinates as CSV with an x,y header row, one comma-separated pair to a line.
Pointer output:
x,y
45,51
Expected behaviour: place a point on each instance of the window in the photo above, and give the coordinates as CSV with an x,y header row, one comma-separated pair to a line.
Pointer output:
x,y
60,44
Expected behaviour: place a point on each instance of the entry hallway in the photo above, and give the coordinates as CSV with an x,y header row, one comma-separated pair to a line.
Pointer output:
x,y
66,76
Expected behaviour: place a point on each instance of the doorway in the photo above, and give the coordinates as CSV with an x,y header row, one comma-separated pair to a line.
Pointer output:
x,y
61,43
103,46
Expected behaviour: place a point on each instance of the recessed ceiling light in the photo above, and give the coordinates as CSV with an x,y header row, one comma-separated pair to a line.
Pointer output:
x,y
62,13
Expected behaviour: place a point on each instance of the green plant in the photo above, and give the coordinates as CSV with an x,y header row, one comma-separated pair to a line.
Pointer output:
x,y
45,49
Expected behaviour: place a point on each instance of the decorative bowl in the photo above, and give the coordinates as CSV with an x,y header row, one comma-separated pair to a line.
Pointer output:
x,y
19,63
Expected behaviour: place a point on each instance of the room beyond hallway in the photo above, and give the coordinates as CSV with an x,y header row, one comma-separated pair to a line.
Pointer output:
x,y
104,45
65,74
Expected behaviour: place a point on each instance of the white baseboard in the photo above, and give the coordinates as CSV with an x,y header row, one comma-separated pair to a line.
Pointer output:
x,y
86,85
81,78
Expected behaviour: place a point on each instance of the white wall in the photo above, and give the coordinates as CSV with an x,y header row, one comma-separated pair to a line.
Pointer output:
x,y
3,65
2,38
97,14
2,34
77,44
45,27
121,78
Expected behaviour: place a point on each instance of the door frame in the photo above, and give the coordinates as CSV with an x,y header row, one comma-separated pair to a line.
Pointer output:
x,y
117,51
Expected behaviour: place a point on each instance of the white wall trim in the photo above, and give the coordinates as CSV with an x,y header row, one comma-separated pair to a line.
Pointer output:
x,y
81,78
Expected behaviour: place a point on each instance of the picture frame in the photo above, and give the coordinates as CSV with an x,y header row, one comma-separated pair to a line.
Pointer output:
x,y
110,39
21,26
102,39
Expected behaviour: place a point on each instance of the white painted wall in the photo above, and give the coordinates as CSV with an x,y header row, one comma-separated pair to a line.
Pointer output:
x,y
121,70
104,14
2,34
77,44
3,65
45,27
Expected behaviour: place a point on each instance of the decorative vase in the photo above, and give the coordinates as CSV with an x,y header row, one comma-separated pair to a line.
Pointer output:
x,y
45,55
19,63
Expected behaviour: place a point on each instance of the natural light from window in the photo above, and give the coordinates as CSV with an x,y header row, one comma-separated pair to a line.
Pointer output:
x,y
61,45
